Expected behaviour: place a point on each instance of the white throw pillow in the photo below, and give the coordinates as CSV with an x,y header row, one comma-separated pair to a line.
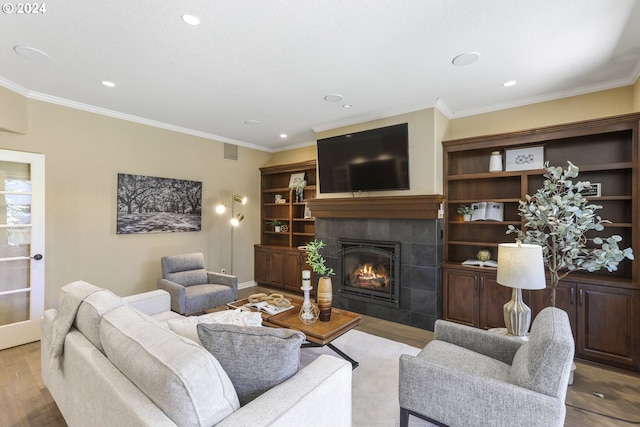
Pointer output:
x,y
188,326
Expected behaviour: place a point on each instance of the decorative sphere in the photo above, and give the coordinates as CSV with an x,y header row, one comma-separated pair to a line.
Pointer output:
x,y
484,255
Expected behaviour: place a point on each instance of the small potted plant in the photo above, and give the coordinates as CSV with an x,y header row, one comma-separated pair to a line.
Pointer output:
x,y
324,295
276,224
466,212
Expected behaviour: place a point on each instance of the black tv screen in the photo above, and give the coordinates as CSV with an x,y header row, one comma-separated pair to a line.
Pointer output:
x,y
373,160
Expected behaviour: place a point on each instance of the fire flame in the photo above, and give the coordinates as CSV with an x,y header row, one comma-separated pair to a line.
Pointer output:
x,y
367,276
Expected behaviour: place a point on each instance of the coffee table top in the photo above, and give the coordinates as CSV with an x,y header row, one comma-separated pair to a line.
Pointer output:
x,y
319,332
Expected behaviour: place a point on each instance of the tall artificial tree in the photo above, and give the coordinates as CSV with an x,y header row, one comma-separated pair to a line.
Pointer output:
x,y
561,220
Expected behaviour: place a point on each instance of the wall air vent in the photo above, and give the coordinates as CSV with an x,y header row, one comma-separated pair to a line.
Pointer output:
x,y
230,151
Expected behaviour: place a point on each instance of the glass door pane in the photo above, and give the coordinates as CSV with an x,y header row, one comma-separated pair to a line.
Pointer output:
x,y
21,233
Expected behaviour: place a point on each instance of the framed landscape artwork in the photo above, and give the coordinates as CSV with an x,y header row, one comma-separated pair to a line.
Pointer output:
x,y
148,204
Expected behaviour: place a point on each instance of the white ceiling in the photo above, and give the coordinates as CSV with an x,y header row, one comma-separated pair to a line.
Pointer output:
x,y
275,60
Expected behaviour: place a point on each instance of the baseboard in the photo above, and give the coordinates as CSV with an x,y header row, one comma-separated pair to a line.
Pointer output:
x,y
248,284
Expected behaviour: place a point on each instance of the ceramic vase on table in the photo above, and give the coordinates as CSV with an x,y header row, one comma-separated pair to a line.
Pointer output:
x,y
324,298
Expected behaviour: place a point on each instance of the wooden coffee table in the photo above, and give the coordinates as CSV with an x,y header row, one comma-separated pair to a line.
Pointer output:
x,y
318,334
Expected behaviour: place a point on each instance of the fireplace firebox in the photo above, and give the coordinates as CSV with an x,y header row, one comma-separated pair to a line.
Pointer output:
x,y
369,270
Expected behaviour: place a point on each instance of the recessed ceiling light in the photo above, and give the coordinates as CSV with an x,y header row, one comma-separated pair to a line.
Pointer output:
x,y
283,135
31,53
333,98
347,106
190,19
252,122
509,83
108,83
465,58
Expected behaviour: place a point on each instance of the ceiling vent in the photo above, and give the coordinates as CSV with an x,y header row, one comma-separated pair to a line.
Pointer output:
x,y
230,151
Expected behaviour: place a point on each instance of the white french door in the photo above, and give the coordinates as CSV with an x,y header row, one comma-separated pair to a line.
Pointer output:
x,y
21,247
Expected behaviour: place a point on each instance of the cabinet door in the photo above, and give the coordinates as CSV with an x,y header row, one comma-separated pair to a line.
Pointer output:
x,y
261,265
293,271
565,300
493,298
607,319
276,267
460,299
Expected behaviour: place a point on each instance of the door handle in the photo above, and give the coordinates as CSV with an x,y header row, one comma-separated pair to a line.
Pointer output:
x,y
573,296
37,257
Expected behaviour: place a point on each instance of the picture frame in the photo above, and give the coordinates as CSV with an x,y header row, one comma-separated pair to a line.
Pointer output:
x,y
294,177
519,159
149,204
594,191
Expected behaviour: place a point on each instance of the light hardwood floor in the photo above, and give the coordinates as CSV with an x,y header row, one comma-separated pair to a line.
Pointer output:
x,y
25,401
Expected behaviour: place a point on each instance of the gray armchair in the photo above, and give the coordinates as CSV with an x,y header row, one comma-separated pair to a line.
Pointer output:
x,y
192,288
471,377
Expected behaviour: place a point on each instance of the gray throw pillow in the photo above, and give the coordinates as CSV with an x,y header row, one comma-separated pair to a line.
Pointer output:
x,y
255,358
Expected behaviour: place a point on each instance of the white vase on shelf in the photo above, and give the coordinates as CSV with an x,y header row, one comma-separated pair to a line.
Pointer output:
x,y
495,162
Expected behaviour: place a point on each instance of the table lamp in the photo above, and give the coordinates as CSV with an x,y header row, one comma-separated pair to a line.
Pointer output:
x,y
520,266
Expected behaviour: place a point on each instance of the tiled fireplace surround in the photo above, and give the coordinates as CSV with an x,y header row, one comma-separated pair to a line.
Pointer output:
x,y
411,220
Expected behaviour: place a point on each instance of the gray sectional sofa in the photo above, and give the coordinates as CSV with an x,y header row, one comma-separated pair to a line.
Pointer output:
x,y
113,361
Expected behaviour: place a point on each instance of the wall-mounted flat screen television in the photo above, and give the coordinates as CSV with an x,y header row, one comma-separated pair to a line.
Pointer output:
x,y
372,160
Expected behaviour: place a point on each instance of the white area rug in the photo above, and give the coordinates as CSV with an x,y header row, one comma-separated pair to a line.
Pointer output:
x,y
375,381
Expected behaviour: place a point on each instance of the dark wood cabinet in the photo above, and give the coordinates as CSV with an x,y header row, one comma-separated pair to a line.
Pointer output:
x,y
492,300
604,319
261,269
565,300
608,320
461,296
279,267
278,261
473,297
602,306
294,263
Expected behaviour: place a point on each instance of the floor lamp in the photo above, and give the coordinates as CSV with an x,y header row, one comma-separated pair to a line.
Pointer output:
x,y
520,266
235,219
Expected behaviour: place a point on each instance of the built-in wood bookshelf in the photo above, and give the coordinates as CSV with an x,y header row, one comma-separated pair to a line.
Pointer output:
x,y
278,259
604,307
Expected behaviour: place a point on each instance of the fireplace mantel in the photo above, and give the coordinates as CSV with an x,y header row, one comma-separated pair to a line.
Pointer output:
x,y
392,207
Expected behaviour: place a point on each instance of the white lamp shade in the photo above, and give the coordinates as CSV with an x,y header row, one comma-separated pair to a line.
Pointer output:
x,y
520,266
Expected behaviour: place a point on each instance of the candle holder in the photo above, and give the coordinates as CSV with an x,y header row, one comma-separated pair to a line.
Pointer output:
x,y
309,311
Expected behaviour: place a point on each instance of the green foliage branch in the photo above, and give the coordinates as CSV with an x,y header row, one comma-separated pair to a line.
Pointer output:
x,y
558,218
316,260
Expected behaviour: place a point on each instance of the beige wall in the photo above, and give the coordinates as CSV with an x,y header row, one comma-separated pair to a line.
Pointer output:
x,y
293,156
636,96
584,107
84,152
13,112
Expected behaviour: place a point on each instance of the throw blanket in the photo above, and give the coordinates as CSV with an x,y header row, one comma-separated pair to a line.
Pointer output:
x,y
74,294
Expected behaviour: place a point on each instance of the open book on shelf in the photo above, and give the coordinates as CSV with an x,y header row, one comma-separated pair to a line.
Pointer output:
x,y
477,262
268,308
487,211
